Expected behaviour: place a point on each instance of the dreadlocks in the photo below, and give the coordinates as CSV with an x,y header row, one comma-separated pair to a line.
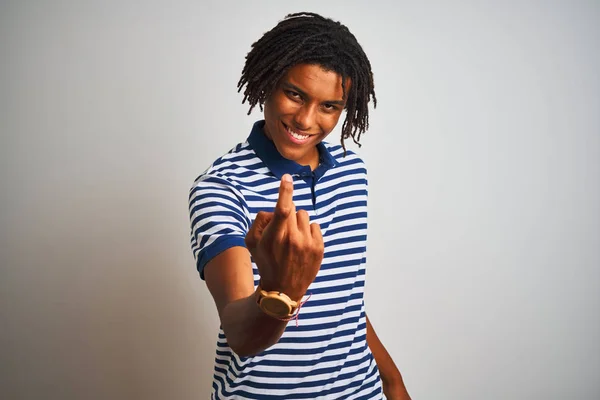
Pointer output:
x,y
308,38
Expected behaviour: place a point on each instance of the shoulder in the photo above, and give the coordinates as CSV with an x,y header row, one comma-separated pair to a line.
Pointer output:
x,y
233,168
222,176
226,165
351,162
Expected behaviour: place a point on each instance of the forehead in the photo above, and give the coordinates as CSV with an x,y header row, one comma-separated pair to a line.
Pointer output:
x,y
316,81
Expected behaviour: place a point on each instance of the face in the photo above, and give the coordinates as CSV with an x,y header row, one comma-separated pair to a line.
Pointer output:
x,y
303,109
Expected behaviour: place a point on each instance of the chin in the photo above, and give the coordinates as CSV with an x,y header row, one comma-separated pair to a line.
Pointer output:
x,y
290,154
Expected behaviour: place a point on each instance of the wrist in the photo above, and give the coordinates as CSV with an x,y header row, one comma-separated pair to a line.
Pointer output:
x,y
293,294
275,304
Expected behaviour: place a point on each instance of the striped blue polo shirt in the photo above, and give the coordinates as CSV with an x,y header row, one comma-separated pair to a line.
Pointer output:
x,y
326,356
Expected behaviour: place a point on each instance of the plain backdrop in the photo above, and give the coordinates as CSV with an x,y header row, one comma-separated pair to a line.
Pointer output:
x,y
484,218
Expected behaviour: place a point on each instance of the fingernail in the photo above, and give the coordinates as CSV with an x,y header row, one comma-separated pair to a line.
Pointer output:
x,y
287,178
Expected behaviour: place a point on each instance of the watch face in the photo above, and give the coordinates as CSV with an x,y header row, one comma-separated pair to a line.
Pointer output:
x,y
276,306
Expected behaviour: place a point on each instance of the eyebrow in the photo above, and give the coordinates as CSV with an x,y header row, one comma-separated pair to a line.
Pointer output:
x,y
288,85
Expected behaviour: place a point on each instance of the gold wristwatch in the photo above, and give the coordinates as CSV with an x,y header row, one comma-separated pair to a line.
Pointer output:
x,y
275,304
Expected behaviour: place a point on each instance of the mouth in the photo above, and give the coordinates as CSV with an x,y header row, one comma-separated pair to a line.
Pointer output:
x,y
296,137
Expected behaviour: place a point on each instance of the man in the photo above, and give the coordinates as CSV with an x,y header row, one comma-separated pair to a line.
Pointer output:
x,y
279,227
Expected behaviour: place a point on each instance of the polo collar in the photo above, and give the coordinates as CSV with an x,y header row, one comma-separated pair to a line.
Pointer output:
x,y
265,149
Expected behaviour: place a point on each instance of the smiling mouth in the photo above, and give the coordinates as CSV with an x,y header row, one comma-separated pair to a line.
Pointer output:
x,y
296,135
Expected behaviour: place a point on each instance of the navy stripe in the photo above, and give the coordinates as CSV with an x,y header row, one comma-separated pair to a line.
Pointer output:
x,y
223,203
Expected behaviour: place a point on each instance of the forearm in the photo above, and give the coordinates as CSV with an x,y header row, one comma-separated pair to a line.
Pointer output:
x,y
391,378
249,330
287,250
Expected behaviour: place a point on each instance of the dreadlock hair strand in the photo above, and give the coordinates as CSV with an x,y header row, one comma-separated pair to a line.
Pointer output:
x,y
308,38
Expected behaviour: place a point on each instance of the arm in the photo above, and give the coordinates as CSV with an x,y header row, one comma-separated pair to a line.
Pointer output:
x,y
288,251
230,281
393,385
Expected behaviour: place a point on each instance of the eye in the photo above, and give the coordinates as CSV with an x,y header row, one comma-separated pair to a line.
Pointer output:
x,y
330,107
293,95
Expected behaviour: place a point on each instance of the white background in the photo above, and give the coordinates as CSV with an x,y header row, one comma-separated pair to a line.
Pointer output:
x,y
484,249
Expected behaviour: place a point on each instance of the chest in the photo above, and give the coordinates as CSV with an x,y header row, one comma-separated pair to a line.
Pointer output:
x,y
338,205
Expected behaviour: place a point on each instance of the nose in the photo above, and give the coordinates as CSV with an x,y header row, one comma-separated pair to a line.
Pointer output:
x,y
305,116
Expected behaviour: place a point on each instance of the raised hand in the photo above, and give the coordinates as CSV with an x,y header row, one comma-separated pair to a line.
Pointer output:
x,y
287,248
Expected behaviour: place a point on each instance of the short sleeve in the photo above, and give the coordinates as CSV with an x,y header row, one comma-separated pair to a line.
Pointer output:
x,y
218,218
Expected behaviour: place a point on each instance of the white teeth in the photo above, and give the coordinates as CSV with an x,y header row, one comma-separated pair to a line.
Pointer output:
x,y
297,136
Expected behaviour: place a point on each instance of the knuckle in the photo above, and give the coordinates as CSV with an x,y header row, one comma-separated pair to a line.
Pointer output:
x,y
250,239
262,219
283,211
316,229
302,213
319,247
295,243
